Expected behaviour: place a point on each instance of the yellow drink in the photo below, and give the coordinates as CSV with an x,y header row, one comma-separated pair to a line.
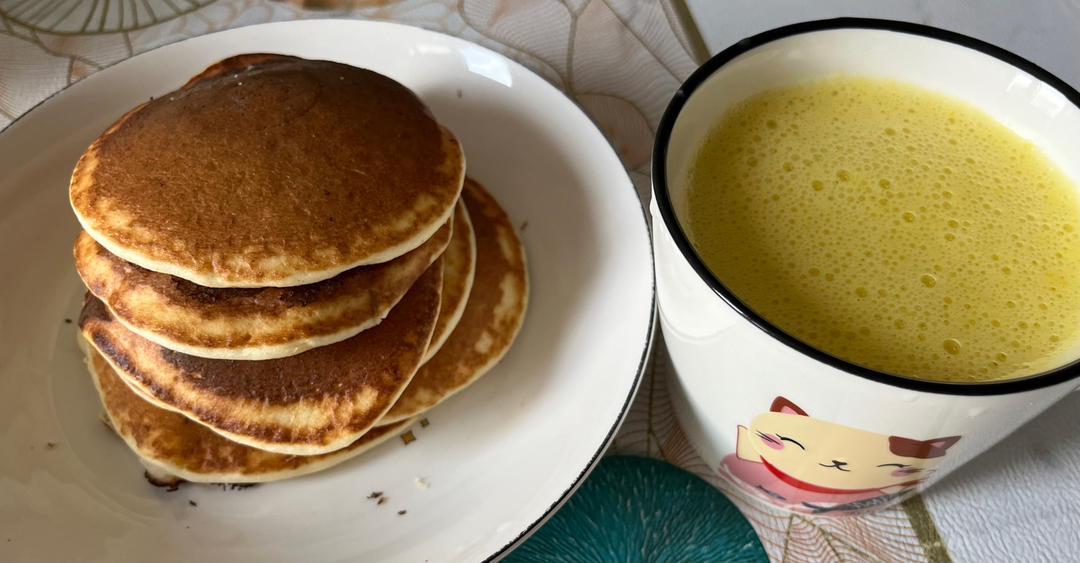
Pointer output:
x,y
893,227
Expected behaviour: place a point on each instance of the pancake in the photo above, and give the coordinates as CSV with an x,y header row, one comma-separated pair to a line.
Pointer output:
x,y
171,447
236,63
312,403
284,172
460,266
493,314
250,324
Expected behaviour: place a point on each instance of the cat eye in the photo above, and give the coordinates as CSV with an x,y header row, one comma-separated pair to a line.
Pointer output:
x,y
792,440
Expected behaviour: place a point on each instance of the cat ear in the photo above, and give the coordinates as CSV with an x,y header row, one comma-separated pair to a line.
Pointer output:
x,y
784,406
921,449
942,444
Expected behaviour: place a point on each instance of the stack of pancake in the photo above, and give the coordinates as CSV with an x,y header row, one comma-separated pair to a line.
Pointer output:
x,y
286,265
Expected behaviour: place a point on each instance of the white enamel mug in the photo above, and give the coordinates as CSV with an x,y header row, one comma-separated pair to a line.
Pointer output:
x,y
783,422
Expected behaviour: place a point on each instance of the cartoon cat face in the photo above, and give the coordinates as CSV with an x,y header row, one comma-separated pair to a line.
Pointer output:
x,y
827,455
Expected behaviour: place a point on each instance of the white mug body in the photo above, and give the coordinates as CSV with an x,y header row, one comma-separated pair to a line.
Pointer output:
x,y
790,425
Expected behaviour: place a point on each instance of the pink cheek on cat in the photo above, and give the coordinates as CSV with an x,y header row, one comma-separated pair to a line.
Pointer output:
x,y
775,443
905,472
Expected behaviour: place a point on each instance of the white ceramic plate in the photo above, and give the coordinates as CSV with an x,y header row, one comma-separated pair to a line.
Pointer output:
x,y
498,458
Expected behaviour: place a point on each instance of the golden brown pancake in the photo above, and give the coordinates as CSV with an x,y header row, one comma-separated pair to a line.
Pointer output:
x,y
284,172
171,446
460,266
236,63
311,403
493,314
250,323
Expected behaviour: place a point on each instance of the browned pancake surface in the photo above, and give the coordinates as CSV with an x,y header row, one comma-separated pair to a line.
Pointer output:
x,y
255,323
283,172
191,449
310,403
237,63
492,317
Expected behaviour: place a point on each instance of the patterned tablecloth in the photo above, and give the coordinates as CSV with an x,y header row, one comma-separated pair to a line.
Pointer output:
x,y
620,60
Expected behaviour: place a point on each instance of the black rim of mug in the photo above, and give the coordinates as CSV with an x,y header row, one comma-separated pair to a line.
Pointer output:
x,y
663,199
